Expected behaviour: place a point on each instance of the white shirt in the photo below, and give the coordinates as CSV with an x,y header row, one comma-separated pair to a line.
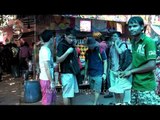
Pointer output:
x,y
114,56
45,55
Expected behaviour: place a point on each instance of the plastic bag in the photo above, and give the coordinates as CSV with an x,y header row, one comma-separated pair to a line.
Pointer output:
x,y
121,84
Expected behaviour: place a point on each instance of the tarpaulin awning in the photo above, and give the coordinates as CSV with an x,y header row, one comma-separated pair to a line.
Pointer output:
x,y
156,29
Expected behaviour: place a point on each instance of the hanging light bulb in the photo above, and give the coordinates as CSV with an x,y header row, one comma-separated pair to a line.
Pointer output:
x,y
18,32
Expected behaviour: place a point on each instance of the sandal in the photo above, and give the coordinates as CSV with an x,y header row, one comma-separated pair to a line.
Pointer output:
x,y
118,104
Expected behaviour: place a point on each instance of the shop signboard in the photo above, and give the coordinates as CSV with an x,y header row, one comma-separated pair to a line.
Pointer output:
x,y
155,19
156,29
85,25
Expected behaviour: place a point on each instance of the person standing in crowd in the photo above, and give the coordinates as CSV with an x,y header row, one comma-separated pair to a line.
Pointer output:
x,y
118,48
65,53
78,76
103,45
47,69
24,55
143,64
157,70
1,61
7,58
15,60
96,67
108,84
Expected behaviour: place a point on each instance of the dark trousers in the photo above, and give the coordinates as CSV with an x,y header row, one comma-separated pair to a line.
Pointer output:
x,y
104,86
79,78
15,70
0,73
23,64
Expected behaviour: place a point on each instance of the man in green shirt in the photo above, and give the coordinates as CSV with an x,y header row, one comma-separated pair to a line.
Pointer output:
x,y
143,64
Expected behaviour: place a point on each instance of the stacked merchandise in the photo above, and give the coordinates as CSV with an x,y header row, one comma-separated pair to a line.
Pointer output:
x,y
83,48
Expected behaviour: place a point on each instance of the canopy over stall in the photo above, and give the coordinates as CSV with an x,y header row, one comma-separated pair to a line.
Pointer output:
x,y
156,29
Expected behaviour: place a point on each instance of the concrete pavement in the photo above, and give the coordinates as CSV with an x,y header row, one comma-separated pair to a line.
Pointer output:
x,y
12,93
84,97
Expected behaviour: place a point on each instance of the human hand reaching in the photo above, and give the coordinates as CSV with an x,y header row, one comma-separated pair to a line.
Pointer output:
x,y
70,50
104,76
125,74
52,85
117,41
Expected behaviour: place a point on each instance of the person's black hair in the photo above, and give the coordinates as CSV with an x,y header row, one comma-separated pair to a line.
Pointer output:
x,y
136,19
26,44
70,31
91,40
46,35
116,32
102,37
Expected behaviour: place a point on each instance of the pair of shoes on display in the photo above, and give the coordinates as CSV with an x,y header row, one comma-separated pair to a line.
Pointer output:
x,y
108,95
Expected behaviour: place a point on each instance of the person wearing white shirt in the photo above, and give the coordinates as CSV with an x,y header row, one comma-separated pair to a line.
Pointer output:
x,y
46,65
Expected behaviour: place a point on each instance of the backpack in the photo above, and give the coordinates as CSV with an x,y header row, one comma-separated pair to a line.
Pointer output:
x,y
125,58
99,52
100,49
74,65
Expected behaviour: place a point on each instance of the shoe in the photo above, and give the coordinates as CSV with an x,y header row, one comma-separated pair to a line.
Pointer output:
x,y
118,103
109,95
99,104
111,103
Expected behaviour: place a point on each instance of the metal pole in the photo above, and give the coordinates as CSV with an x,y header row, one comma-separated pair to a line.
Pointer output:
x,y
34,50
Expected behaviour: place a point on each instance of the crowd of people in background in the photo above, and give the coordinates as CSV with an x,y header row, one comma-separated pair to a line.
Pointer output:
x,y
14,58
